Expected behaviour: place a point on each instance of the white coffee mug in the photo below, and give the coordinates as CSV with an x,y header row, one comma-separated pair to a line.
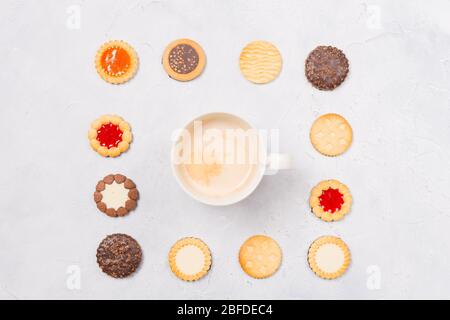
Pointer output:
x,y
223,182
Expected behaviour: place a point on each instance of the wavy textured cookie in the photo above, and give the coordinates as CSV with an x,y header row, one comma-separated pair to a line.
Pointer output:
x,y
110,135
330,200
329,257
184,60
190,259
260,256
119,255
260,62
331,134
116,62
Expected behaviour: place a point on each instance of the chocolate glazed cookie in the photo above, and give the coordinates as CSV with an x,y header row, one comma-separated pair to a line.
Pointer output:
x,y
183,60
326,67
119,255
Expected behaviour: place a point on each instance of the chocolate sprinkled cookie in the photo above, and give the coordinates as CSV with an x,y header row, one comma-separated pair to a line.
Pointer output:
x,y
119,255
184,60
331,134
116,195
260,256
326,67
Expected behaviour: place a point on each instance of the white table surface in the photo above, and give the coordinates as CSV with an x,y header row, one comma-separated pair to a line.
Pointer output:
x,y
396,97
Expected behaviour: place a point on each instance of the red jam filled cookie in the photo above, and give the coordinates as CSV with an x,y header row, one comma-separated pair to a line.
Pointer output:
x,y
116,62
330,200
110,135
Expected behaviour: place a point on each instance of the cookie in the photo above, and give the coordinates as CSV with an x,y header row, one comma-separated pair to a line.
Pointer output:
x,y
330,200
119,255
184,60
116,62
331,134
110,135
116,195
190,259
260,62
260,256
326,67
328,257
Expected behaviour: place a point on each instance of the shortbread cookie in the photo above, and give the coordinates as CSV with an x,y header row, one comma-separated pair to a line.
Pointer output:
x,y
116,62
326,67
260,256
331,134
184,60
329,257
330,200
110,135
119,255
260,62
190,259
116,195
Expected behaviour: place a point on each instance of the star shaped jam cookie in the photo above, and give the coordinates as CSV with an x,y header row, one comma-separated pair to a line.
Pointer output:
x,y
116,62
110,135
260,256
330,200
116,195
329,257
190,259
184,60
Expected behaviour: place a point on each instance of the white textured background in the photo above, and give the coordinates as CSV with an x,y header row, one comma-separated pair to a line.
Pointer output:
x,y
396,97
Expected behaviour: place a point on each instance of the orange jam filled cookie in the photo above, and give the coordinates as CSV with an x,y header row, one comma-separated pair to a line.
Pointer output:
x,y
329,257
260,256
116,62
260,62
116,195
190,259
110,135
331,134
184,60
330,200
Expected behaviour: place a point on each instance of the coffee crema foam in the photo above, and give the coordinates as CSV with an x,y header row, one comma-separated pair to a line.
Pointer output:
x,y
218,157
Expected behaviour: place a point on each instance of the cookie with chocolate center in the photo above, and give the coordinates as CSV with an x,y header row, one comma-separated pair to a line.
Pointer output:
x,y
184,60
119,255
326,67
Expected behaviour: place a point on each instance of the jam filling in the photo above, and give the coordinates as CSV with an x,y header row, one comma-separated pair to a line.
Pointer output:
x,y
109,135
115,61
331,200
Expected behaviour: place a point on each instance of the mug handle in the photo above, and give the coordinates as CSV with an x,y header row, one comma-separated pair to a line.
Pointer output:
x,y
276,162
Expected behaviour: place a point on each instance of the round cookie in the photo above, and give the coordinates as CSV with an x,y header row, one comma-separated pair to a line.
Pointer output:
x,y
260,256
110,135
326,67
184,60
331,134
116,62
260,62
330,200
119,255
329,257
190,259
116,195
